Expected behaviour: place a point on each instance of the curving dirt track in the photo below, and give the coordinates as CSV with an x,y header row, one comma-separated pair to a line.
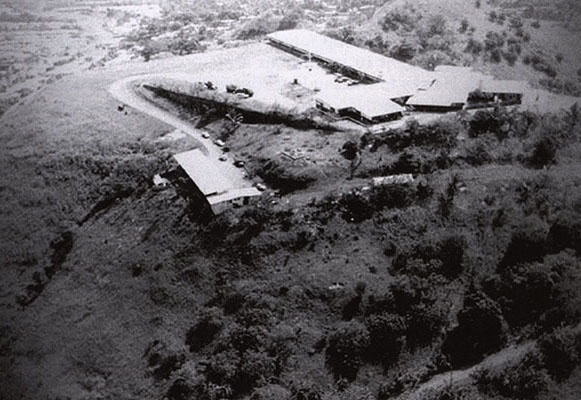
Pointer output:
x,y
124,92
438,382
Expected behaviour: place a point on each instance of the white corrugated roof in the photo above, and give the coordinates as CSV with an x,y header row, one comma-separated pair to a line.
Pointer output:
x,y
369,100
366,61
204,171
371,108
452,86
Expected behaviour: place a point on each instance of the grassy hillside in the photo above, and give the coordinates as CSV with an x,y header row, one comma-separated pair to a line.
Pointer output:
x,y
114,289
329,287
510,39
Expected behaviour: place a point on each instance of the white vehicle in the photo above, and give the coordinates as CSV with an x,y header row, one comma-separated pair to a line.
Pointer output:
x,y
260,187
205,135
219,143
223,158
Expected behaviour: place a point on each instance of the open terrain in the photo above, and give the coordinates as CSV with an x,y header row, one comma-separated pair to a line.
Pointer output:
x,y
464,284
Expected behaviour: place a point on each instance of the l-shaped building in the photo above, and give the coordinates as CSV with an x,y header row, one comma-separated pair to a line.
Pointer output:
x,y
388,85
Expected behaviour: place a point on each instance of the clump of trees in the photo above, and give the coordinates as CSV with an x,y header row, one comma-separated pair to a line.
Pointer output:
x,y
480,330
522,380
345,350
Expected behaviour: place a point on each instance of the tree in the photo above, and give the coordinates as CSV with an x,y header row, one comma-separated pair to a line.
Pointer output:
x,y
205,329
404,51
480,330
451,254
350,151
565,232
561,352
386,338
527,244
346,347
544,152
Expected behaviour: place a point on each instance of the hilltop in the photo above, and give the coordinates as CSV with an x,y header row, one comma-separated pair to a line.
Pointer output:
x,y
464,282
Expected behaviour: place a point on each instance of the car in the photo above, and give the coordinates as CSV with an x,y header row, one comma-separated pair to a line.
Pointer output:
x,y
219,143
223,158
239,163
205,135
260,187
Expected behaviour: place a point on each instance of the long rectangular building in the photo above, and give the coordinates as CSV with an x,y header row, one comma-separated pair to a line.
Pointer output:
x,y
349,59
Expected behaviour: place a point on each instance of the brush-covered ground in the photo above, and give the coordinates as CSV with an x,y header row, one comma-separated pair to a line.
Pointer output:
x,y
113,289
328,288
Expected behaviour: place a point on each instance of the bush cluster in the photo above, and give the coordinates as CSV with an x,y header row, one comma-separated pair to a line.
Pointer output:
x,y
480,330
523,380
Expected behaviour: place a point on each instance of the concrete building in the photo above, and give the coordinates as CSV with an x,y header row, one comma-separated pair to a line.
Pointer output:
x,y
390,81
449,91
217,190
361,64
369,104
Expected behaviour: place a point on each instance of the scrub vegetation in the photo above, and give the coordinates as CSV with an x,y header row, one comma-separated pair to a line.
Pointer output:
x,y
463,283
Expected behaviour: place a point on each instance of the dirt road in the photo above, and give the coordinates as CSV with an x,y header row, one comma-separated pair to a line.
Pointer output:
x,y
124,92
459,377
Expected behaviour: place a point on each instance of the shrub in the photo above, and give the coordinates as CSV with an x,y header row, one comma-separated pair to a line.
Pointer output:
x,y
493,40
346,347
527,244
474,46
484,121
404,51
495,55
544,152
411,162
565,232
480,330
425,322
207,326
477,153
510,57
305,391
285,177
356,207
435,25
181,389
255,367
451,253
547,293
561,352
540,63
392,196
271,392
386,338
522,380
401,18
